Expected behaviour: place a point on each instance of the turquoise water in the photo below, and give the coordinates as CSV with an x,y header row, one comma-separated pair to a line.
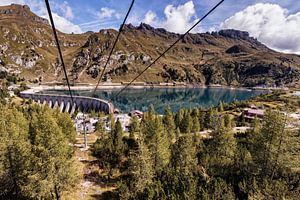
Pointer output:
x,y
176,98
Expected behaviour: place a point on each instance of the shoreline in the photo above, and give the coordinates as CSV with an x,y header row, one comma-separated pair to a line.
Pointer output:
x,y
115,86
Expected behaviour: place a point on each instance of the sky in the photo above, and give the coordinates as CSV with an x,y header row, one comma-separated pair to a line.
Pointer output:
x,y
275,23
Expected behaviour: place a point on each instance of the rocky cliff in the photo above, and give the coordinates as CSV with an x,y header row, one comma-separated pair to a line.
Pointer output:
x,y
227,57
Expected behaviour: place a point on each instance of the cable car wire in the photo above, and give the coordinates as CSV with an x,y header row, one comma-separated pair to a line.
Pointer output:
x,y
58,47
113,47
171,46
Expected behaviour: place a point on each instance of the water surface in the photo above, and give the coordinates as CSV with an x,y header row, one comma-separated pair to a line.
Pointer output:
x,y
176,98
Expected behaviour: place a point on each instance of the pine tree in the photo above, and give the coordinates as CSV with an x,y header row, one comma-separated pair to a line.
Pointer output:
x,y
64,121
53,166
210,118
221,149
140,172
186,123
15,154
179,180
117,138
178,118
228,121
169,124
221,107
134,126
109,150
195,125
268,143
156,139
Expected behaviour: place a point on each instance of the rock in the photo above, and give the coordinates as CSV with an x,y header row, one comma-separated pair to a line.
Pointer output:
x,y
92,40
235,49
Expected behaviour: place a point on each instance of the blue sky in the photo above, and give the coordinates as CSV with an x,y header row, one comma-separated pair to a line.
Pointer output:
x,y
87,11
267,20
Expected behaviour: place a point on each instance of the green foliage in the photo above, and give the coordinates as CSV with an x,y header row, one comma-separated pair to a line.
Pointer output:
x,y
267,144
169,124
109,150
156,139
186,122
217,188
64,121
221,150
37,158
139,172
134,126
226,166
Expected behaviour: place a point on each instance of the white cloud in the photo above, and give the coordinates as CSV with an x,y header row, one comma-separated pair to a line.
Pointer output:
x,y
177,19
66,10
150,17
270,24
62,23
8,2
106,13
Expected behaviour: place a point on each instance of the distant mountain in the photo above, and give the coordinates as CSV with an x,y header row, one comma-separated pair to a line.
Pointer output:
x,y
227,57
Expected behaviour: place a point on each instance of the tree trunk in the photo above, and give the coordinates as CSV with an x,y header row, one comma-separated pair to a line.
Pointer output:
x,y
57,193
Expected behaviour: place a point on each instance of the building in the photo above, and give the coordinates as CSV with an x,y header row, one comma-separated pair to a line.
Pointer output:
x,y
136,113
125,121
250,113
82,121
296,94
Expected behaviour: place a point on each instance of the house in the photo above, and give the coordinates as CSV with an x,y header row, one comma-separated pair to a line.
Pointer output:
x,y
136,113
251,113
84,122
125,121
296,94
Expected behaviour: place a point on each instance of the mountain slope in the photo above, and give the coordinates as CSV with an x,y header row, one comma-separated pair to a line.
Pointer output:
x,y
227,57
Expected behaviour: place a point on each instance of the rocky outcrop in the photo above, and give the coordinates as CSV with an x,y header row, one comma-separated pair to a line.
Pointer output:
x,y
20,11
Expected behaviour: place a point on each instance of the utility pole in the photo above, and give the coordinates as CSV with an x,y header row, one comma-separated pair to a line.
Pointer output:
x,y
84,131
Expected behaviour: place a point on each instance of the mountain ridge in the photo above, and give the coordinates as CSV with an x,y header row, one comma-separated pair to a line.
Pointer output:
x,y
226,57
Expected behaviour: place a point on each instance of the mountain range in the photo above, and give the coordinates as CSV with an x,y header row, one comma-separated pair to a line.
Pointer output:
x,y
226,57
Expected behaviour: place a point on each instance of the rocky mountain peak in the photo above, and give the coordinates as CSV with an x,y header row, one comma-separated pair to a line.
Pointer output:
x,y
16,11
235,34
93,39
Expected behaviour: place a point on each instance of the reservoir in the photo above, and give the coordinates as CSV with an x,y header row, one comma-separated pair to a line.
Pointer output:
x,y
176,98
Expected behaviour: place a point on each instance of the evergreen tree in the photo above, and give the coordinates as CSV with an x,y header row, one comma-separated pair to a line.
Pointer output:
x,y
117,138
178,118
134,126
15,154
221,150
186,123
64,121
109,150
52,163
228,122
179,180
217,188
140,173
195,125
221,107
156,139
169,124
267,144
210,119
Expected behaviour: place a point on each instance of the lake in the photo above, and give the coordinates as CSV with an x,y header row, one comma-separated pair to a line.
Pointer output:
x,y
176,98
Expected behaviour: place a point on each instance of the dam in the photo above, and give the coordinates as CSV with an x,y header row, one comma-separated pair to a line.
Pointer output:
x,y
64,102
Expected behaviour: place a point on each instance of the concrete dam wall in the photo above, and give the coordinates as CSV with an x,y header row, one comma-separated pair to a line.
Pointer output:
x,y
64,102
